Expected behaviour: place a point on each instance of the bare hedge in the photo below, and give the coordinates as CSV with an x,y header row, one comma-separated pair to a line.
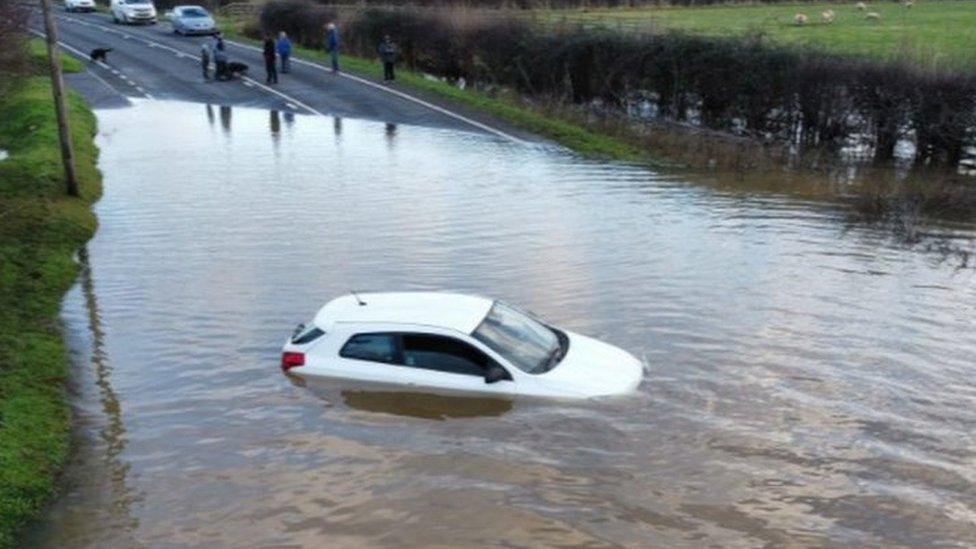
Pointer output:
x,y
809,99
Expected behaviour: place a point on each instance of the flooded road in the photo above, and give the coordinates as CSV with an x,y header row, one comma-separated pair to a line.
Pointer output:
x,y
810,382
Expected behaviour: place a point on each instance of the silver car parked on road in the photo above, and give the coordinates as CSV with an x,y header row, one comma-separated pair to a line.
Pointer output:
x,y
188,20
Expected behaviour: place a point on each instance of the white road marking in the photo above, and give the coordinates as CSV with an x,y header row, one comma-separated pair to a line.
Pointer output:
x,y
247,80
400,94
281,95
354,78
81,54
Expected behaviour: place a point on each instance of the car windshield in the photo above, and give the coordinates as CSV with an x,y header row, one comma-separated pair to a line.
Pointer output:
x,y
193,12
527,343
136,1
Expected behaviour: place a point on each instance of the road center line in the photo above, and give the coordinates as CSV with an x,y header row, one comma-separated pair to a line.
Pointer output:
x,y
363,81
244,79
400,94
82,56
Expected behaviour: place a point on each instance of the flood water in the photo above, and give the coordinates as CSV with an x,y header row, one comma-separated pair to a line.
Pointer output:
x,y
809,382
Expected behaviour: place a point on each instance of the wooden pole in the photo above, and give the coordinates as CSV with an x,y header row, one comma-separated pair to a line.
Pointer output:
x,y
60,104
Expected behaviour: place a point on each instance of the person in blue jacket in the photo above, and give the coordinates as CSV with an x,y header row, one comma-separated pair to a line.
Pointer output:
x,y
284,51
332,44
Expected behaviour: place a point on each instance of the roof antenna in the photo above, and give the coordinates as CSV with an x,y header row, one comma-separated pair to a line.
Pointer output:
x,y
358,300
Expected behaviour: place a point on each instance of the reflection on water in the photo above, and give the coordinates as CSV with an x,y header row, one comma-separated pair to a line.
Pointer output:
x,y
810,383
275,123
225,117
99,495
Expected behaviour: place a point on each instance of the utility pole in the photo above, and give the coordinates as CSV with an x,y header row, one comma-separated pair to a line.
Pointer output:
x,y
60,103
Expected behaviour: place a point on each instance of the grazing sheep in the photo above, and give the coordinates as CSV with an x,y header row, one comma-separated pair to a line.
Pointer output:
x,y
872,16
908,3
828,16
800,19
861,6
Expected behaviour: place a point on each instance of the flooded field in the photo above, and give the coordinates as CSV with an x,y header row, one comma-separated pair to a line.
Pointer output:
x,y
810,381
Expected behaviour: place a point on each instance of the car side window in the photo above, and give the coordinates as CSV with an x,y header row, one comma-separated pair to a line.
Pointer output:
x,y
443,354
373,347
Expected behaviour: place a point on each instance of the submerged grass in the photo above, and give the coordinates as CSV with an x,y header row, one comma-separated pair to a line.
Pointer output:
x,y
40,230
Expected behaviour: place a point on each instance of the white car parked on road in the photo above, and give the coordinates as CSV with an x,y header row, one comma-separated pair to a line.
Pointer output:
x,y
133,11
79,5
458,343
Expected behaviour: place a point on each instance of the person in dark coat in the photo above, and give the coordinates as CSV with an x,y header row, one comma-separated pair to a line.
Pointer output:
x,y
332,45
388,53
205,55
220,59
284,52
270,65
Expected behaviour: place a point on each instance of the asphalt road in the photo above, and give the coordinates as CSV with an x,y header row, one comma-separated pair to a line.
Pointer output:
x,y
152,62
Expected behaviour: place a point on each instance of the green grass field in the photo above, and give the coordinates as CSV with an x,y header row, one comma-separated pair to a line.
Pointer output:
x,y
933,33
40,230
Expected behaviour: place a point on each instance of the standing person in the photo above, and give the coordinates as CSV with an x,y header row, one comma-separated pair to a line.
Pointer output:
x,y
270,66
332,44
220,59
284,51
205,59
388,54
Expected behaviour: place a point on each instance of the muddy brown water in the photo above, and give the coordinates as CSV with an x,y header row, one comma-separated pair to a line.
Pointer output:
x,y
810,383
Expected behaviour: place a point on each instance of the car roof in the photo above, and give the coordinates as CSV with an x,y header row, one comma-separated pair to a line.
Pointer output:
x,y
185,6
443,310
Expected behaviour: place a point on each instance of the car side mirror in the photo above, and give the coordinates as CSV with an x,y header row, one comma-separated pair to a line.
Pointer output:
x,y
496,373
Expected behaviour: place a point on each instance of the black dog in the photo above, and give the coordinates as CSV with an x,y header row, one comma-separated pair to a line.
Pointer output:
x,y
99,54
236,68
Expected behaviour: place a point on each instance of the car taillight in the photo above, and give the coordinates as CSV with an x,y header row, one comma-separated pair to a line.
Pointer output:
x,y
292,360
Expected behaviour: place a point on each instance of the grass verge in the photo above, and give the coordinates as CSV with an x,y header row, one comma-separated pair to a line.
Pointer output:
x,y
511,110
932,35
40,230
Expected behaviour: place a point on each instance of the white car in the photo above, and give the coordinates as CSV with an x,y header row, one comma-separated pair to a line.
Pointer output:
x,y
457,343
133,11
79,5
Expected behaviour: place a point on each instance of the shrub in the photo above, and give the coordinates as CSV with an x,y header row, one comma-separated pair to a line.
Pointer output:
x,y
302,20
810,100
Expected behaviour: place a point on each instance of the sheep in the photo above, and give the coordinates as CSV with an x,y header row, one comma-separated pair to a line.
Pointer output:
x,y
861,6
908,4
828,16
800,19
872,16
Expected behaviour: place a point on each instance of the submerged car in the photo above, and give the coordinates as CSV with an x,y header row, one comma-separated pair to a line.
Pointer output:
x,y
455,342
189,20
79,5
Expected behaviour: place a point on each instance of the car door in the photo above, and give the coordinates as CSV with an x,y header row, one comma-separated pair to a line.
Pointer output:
x,y
442,361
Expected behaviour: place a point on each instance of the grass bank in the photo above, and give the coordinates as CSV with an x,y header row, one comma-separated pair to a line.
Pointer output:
x,y
509,108
931,34
40,230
